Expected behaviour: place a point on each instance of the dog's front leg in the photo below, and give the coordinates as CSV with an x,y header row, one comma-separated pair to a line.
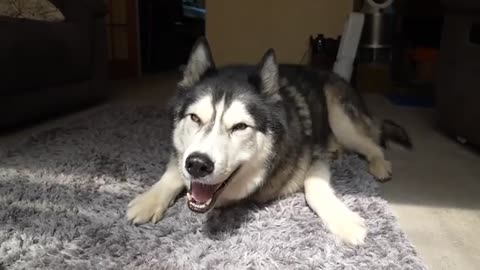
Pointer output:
x,y
320,196
152,204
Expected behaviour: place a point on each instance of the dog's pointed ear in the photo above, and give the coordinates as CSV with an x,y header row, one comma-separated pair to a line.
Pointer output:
x,y
199,62
268,73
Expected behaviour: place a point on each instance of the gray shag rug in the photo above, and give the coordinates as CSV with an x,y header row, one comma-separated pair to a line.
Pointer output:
x,y
64,192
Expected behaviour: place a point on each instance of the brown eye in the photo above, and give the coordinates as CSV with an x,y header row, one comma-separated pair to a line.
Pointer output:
x,y
239,126
195,118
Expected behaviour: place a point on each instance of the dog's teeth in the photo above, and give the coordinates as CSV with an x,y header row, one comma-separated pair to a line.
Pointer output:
x,y
208,202
189,196
197,205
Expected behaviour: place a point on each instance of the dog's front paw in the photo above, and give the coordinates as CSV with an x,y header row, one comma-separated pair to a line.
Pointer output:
x,y
349,226
381,169
146,207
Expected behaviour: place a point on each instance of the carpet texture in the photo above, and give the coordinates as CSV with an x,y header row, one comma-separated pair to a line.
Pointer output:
x,y
64,191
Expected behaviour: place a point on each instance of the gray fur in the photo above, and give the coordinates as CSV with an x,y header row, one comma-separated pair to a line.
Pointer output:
x,y
290,104
63,193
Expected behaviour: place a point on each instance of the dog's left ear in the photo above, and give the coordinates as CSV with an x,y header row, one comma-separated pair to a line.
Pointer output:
x,y
199,62
268,72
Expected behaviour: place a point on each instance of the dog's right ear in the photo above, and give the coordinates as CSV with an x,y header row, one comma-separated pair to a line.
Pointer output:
x,y
199,62
268,73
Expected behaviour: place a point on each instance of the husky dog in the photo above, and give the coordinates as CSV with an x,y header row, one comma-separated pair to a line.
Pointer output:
x,y
263,132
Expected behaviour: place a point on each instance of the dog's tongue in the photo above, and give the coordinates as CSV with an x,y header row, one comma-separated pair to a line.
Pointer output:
x,y
201,193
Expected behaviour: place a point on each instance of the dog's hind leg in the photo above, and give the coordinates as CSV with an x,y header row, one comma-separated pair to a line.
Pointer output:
x,y
355,130
152,204
334,148
336,216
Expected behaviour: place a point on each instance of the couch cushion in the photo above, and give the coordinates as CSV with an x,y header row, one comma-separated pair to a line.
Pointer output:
x,y
42,10
36,54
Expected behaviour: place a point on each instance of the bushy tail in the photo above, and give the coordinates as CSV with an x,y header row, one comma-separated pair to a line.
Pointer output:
x,y
391,131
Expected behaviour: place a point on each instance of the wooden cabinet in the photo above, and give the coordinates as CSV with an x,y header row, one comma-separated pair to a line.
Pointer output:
x,y
123,41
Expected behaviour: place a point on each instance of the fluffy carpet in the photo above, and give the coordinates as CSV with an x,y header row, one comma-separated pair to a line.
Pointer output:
x,y
64,191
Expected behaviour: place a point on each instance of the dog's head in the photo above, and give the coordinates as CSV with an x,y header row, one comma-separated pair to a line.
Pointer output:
x,y
225,126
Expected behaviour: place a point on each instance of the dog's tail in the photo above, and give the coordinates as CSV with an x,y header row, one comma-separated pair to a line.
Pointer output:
x,y
392,132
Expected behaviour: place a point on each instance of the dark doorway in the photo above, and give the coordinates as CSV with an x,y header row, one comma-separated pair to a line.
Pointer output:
x,y
168,30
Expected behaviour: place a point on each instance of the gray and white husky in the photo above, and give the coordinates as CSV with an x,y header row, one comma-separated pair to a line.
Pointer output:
x,y
263,132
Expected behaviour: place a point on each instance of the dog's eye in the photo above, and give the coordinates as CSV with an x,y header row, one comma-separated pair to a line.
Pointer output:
x,y
195,118
239,126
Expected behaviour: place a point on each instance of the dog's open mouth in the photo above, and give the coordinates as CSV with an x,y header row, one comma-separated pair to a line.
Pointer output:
x,y
201,197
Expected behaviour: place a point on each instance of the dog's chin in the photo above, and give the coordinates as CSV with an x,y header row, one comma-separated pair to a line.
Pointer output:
x,y
202,197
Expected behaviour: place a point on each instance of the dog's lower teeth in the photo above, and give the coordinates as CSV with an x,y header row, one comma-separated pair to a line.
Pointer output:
x,y
189,196
201,205
198,205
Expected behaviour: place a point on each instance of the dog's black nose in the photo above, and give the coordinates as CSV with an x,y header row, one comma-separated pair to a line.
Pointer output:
x,y
199,165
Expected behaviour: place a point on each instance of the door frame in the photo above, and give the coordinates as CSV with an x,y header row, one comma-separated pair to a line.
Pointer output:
x,y
130,67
